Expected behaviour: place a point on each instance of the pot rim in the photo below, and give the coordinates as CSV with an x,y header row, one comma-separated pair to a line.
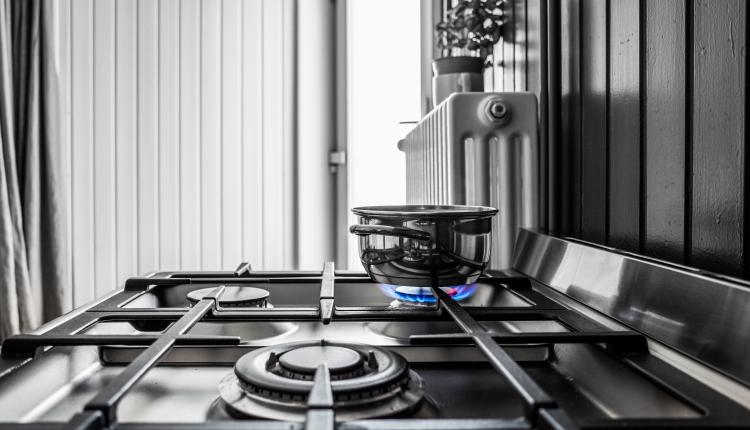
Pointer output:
x,y
425,211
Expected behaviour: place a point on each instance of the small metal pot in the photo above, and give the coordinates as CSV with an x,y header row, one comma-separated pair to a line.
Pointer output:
x,y
424,246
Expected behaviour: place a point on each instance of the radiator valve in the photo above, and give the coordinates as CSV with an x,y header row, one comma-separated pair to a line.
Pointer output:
x,y
497,111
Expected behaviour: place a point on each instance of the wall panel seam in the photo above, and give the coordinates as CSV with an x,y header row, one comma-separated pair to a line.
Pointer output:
x,y
642,34
689,80
242,132
93,145
137,136
263,128
580,115
221,131
70,151
607,113
746,164
179,135
158,133
116,169
200,134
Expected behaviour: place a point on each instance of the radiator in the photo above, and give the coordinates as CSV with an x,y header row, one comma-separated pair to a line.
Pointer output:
x,y
479,149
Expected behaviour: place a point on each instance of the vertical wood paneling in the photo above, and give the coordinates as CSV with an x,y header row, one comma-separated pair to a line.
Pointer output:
x,y
533,47
497,67
624,125
273,153
537,83
508,49
664,129
169,134
148,136
570,116
651,102
719,122
104,148
82,166
488,74
64,13
231,132
551,124
210,33
594,120
520,46
126,137
252,131
191,198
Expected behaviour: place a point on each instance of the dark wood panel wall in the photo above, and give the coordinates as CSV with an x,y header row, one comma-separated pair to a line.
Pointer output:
x,y
643,112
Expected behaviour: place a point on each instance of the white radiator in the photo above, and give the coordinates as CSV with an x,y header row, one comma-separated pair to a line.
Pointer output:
x,y
479,149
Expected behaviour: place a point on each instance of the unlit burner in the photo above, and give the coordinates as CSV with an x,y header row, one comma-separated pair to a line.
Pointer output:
x,y
234,297
424,295
274,382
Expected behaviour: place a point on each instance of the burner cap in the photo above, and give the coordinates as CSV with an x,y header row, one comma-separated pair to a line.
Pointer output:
x,y
308,358
366,381
234,296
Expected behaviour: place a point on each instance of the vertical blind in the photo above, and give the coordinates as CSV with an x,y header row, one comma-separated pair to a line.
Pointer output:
x,y
175,135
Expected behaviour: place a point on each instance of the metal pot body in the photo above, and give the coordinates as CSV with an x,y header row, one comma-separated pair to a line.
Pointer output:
x,y
416,245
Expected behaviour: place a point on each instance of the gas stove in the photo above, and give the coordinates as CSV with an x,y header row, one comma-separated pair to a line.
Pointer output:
x,y
526,348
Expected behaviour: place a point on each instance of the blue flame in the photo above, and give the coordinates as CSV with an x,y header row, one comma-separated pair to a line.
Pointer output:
x,y
424,294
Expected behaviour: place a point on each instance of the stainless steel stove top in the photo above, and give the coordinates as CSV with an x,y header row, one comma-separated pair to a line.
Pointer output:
x,y
512,353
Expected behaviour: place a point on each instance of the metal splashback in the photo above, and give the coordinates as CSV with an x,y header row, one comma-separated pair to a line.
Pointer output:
x,y
479,149
701,314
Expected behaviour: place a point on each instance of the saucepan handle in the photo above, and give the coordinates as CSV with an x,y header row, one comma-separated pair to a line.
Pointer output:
x,y
387,230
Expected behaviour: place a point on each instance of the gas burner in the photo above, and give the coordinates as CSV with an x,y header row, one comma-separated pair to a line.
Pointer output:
x,y
234,297
423,296
366,381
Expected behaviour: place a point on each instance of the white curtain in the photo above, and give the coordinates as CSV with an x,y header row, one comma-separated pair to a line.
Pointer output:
x,y
33,272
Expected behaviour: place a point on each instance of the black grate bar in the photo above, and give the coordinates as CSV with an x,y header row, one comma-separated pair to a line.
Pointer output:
x,y
243,269
327,293
433,313
243,424
321,395
208,303
555,419
320,419
622,341
320,414
107,399
250,278
32,426
266,314
142,284
87,420
533,395
437,424
25,346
